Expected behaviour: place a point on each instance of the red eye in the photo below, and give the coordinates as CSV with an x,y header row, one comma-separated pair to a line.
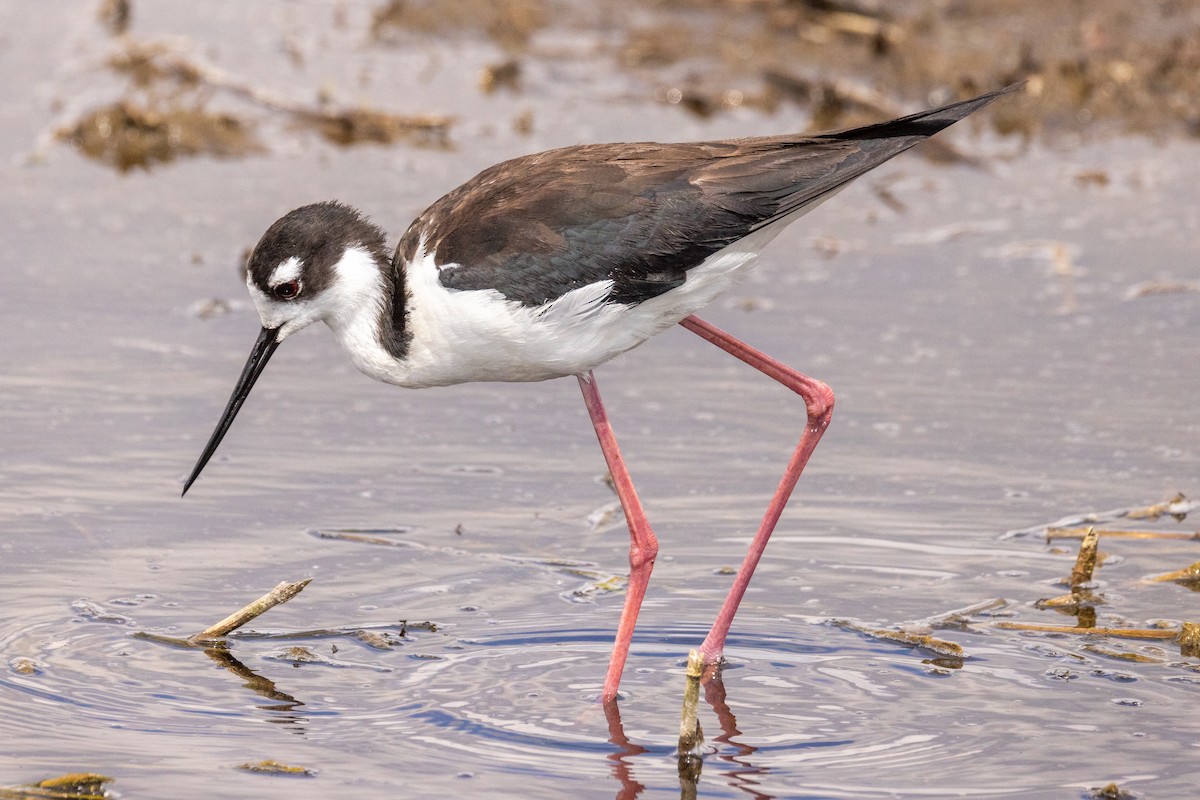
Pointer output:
x,y
288,290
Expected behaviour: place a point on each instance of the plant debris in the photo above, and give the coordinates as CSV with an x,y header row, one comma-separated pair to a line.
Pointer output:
x,y
1188,576
73,786
1085,563
174,121
1110,792
275,768
126,134
1079,533
921,640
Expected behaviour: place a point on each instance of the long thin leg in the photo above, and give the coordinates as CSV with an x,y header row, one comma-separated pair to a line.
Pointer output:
x,y
818,401
643,545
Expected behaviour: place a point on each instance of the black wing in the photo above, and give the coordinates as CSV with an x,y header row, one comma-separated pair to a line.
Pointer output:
x,y
642,215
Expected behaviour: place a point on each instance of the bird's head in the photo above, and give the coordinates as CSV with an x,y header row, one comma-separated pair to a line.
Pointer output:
x,y
317,263
321,262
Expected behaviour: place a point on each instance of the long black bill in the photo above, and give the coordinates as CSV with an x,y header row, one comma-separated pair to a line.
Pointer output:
x,y
263,349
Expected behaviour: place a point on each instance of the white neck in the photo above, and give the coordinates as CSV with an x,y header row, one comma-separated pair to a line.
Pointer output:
x,y
353,308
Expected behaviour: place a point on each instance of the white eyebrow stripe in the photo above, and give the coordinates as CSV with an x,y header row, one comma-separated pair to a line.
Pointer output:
x,y
287,271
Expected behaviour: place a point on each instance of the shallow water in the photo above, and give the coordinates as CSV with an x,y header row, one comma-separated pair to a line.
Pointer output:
x,y
979,392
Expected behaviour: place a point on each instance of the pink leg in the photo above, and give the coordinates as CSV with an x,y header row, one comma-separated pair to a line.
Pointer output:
x,y
818,400
643,546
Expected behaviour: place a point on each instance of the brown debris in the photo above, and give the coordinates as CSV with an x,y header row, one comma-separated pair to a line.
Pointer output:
x,y
1085,563
1121,655
115,15
1110,791
174,121
509,23
1187,575
505,75
1120,633
924,641
150,64
1071,603
357,125
1189,640
1177,507
1187,637
275,768
128,135
73,786
1155,288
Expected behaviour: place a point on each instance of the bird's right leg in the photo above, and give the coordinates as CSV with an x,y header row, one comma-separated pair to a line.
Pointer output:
x,y
643,545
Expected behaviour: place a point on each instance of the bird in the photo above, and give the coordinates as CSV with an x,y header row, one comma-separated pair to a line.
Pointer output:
x,y
551,264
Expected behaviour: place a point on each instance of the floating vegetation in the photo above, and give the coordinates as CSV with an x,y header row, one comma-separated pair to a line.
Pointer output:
x,y
25,666
1110,792
922,640
75,786
276,768
1188,576
1121,655
1082,602
1119,633
94,612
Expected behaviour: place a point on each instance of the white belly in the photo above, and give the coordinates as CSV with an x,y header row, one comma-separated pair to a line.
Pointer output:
x,y
461,336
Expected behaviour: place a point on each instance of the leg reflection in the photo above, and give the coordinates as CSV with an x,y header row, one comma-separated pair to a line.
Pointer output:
x,y
742,775
622,770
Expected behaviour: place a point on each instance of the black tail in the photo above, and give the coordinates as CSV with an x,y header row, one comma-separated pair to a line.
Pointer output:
x,y
922,124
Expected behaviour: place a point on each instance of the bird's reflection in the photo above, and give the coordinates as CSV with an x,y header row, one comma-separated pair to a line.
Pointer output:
x,y
742,774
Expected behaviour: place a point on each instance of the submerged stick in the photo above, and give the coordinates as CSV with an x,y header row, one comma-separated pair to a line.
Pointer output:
x,y
1079,533
1124,633
280,594
690,734
923,640
1085,563
961,616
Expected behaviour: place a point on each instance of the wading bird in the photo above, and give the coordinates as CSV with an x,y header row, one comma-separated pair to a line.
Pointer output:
x,y
551,264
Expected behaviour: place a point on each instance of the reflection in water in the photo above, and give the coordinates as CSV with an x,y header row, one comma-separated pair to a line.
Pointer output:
x,y
622,770
742,774
285,705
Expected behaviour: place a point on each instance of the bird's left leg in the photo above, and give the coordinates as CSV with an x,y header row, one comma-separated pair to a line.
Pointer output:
x,y
818,401
643,545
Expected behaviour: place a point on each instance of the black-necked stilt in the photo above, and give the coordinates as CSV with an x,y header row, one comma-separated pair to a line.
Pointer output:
x,y
551,264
